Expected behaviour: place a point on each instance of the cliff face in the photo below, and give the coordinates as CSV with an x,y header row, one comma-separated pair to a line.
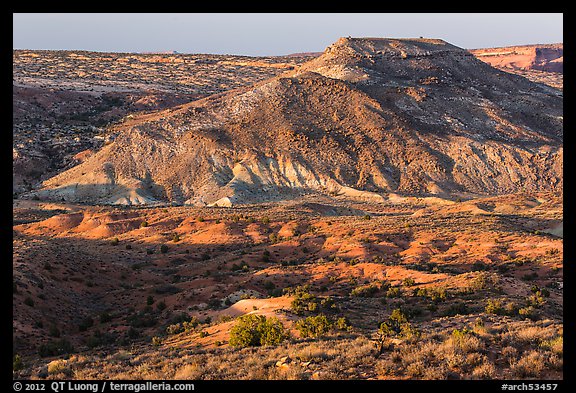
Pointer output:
x,y
367,117
548,58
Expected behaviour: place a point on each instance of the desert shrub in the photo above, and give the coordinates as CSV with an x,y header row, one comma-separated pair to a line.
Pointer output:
x,y
465,341
366,217
128,246
537,298
163,248
266,256
55,348
484,280
303,300
367,290
115,241
494,306
393,292
29,302
144,224
556,345
156,341
314,326
530,276
479,266
149,300
174,329
53,331
530,365
57,366
17,363
94,341
342,323
241,266
397,325
408,282
438,294
189,371
256,330
457,308
484,371
328,303
141,319
214,304
269,285
85,324
133,333
160,306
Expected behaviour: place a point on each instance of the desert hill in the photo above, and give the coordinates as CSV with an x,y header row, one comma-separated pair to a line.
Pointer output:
x,y
368,117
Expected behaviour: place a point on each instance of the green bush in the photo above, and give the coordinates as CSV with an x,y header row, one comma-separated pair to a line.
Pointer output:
x,y
266,256
55,348
85,324
457,308
105,317
397,325
529,312
496,306
314,326
17,363
303,300
256,330
367,290
393,292
115,241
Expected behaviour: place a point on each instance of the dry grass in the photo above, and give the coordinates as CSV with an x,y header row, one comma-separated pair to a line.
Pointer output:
x,y
501,349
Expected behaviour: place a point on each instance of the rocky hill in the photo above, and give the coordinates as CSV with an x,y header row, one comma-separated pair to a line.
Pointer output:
x,y
368,117
64,100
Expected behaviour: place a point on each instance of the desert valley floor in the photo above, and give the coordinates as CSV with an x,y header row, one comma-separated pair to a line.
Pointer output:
x,y
154,292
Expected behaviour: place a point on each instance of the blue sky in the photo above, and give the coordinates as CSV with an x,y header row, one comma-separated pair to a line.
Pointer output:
x,y
267,34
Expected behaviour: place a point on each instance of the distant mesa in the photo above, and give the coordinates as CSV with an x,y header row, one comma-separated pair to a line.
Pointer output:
x,y
544,57
168,52
366,118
